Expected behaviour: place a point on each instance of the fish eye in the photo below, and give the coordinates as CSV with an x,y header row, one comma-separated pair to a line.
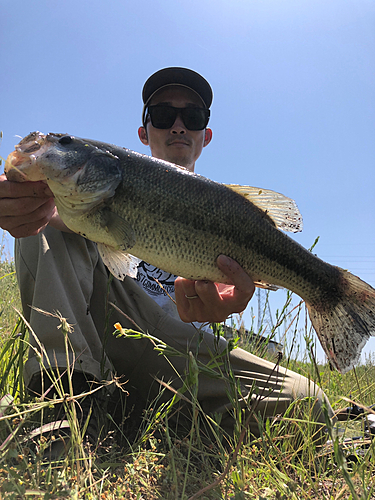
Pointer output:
x,y
66,139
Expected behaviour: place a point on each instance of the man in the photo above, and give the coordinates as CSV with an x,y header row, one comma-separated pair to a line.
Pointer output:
x,y
59,270
183,146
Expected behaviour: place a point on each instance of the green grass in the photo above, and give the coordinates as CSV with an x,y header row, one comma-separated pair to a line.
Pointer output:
x,y
151,461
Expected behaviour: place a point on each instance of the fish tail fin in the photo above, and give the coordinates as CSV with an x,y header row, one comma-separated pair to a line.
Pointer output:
x,y
343,329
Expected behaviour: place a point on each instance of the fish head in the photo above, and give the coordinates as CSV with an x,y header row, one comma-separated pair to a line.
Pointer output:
x,y
70,165
20,166
40,157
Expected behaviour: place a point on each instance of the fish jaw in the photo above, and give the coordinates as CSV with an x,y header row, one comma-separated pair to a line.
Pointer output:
x,y
63,161
41,157
21,164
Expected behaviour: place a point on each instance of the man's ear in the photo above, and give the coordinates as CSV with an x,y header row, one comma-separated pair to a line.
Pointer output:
x,y
207,137
142,134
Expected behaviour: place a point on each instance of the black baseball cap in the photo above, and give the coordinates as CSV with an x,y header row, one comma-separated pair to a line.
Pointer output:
x,y
177,76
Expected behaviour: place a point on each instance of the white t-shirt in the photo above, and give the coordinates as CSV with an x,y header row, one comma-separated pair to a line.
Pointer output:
x,y
146,279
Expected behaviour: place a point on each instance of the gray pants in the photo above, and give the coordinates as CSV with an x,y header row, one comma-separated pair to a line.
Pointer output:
x,y
63,272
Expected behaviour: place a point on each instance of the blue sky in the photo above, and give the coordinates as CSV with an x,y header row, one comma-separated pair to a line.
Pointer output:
x,y
294,95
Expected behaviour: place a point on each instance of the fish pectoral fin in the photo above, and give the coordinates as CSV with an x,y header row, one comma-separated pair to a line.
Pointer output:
x,y
119,263
119,229
281,209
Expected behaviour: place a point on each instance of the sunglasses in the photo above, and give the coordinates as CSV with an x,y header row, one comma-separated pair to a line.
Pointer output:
x,y
164,116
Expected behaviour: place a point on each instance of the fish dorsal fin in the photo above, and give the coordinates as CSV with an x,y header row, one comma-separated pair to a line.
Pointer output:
x,y
281,209
118,262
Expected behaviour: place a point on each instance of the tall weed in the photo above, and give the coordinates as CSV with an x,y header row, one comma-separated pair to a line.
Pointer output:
x,y
144,456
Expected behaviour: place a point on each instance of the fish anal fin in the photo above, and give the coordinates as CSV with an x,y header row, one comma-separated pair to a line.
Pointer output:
x,y
281,209
267,286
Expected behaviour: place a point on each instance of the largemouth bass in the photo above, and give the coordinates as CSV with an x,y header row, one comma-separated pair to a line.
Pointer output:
x,y
180,222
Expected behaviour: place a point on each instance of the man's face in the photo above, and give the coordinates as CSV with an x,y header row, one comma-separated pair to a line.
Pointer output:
x,y
176,144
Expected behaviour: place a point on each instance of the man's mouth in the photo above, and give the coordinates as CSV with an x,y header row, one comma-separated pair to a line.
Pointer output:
x,y
178,142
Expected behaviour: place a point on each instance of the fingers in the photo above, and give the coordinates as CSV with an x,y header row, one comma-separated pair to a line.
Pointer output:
x,y
10,189
244,287
205,301
25,207
22,207
28,223
196,299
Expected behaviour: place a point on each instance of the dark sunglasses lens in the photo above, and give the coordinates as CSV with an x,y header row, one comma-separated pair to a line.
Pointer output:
x,y
162,116
195,118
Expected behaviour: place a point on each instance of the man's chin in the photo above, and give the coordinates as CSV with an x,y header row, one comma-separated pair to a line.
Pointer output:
x,y
181,160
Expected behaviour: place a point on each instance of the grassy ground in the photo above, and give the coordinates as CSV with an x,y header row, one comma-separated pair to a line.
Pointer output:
x,y
147,460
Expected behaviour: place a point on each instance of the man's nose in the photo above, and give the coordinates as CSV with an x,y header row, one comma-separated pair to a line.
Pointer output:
x,y
178,126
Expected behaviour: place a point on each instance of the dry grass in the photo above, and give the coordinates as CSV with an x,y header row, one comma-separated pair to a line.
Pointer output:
x,y
142,456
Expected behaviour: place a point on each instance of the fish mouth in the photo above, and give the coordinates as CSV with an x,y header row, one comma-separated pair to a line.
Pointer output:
x,y
30,144
35,141
20,164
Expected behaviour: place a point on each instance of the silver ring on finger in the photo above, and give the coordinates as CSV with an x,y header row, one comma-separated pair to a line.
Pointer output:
x,y
191,297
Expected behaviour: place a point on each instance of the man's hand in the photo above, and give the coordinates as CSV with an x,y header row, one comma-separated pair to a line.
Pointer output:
x,y
214,301
25,207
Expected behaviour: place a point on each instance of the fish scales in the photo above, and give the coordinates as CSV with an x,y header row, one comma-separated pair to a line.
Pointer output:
x,y
216,216
180,222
